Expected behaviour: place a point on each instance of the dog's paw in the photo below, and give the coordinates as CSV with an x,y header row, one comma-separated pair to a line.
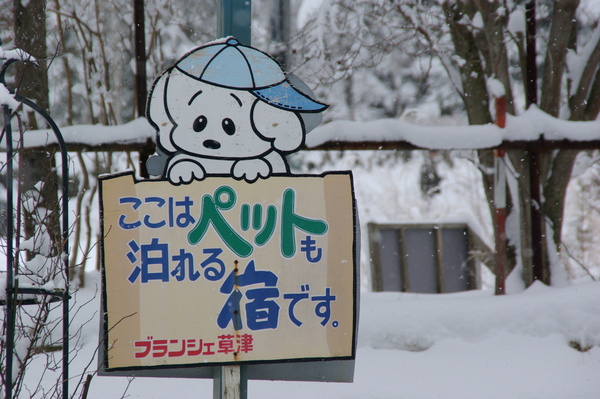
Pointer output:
x,y
251,169
184,172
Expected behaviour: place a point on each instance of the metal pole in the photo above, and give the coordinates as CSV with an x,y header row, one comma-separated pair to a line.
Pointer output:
x,y
65,259
531,67
10,300
537,220
139,29
233,19
141,90
539,272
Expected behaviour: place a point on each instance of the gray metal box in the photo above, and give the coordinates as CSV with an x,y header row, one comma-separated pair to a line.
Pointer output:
x,y
425,258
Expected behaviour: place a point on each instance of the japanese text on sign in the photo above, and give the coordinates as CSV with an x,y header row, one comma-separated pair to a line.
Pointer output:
x,y
226,271
224,199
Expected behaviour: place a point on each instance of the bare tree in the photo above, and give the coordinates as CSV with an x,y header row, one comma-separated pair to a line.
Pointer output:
x,y
478,42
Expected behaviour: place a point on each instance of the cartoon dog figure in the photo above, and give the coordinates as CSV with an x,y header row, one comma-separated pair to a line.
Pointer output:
x,y
226,109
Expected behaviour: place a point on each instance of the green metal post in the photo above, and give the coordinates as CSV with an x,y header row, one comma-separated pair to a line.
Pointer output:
x,y
234,19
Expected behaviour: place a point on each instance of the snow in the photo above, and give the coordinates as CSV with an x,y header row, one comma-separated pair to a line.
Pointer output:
x,y
136,131
306,10
589,10
15,55
533,124
7,99
517,22
477,21
463,345
6,56
495,88
577,61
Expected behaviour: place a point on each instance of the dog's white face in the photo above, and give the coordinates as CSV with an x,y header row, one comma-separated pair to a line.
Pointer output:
x,y
216,122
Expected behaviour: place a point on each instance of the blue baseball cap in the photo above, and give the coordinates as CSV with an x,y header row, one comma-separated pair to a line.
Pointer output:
x,y
233,65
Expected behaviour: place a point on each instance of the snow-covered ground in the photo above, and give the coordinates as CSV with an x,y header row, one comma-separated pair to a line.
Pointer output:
x,y
416,346
412,346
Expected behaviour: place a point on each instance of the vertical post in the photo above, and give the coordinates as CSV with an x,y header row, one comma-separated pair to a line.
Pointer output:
x,y
64,258
230,382
500,219
439,260
141,90
537,220
233,19
280,30
10,302
531,67
404,280
537,246
500,201
140,56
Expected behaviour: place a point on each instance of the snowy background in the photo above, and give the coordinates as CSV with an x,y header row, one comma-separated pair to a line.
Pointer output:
x,y
539,343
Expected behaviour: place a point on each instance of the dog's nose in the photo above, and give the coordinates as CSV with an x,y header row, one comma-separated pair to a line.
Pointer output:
x,y
212,144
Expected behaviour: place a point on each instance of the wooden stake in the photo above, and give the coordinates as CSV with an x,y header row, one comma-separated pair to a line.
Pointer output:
x,y
230,382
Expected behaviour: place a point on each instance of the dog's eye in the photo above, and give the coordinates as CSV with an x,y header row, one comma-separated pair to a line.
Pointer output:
x,y
200,123
228,126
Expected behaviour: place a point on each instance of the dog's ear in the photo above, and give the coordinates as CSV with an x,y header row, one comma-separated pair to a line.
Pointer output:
x,y
283,128
157,112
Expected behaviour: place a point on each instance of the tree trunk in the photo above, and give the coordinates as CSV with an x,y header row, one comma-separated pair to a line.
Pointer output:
x,y
475,93
37,167
559,41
